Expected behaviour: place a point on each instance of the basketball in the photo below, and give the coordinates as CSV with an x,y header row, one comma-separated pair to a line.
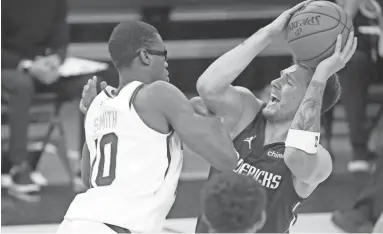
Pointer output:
x,y
312,31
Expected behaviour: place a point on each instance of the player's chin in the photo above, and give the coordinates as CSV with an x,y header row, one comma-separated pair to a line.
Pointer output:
x,y
270,111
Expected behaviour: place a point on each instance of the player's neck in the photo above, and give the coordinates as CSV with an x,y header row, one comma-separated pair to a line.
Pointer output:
x,y
276,131
128,75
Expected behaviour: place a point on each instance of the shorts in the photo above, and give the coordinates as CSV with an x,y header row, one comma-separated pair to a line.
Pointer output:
x,y
85,226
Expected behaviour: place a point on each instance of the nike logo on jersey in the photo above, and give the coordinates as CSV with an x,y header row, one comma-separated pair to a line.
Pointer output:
x,y
250,139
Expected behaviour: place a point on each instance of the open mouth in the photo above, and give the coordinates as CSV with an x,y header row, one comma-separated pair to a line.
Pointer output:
x,y
274,99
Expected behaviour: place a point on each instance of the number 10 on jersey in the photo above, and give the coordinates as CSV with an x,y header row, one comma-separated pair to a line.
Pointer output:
x,y
103,169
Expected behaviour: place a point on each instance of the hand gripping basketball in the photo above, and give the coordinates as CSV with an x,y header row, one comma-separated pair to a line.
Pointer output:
x,y
340,57
279,24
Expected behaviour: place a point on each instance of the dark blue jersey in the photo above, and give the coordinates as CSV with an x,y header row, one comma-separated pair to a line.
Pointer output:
x,y
265,163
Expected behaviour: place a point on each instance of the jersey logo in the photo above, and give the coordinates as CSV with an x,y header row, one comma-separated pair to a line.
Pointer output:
x,y
250,139
274,154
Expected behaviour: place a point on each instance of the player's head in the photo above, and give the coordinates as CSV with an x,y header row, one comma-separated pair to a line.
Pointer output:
x,y
138,48
288,91
233,203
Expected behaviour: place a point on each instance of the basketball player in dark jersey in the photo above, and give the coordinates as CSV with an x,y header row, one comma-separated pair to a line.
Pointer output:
x,y
272,138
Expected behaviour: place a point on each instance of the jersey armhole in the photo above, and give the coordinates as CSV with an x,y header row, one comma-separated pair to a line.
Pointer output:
x,y
257,116
134,94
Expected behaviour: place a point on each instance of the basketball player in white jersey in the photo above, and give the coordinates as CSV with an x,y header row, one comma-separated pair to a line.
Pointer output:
x,y
133,141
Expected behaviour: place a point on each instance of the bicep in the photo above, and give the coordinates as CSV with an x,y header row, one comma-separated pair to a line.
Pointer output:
x,y
311,169
318,171
235,105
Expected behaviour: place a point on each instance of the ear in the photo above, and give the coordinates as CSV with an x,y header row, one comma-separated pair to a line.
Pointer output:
x,y
145,58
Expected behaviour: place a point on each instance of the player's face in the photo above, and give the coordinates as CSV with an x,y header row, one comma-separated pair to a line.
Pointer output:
x,y
159,63
287,93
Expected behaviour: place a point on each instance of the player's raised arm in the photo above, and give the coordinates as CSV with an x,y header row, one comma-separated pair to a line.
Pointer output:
x,y
310,164
214,85
204,135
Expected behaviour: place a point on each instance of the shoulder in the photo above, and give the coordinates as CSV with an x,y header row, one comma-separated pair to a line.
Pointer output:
x,y
251,107
160,90
249,99
162,97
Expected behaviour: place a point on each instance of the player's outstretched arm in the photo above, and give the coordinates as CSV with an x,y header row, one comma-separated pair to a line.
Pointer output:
x,y
205,135
214,85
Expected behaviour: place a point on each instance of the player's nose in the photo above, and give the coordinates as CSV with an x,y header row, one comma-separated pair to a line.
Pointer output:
x,y
276,83
166,64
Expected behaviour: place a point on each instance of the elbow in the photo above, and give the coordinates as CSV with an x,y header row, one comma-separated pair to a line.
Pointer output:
x,y
227,162
203,88
230,164
221,158
293,157
309,168
207,83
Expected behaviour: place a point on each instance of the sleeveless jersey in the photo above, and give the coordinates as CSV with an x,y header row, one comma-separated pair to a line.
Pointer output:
x,y
134,169
265,164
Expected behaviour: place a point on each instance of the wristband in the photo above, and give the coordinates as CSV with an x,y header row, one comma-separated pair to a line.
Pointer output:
x,y
303,140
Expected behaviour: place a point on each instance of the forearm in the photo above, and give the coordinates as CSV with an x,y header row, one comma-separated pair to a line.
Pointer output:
x,y
308,115
302,164
210,140
221,73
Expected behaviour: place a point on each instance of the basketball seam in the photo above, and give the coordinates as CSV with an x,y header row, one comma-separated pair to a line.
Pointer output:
x,y
327,29
326,14
339,22
345,23
333,42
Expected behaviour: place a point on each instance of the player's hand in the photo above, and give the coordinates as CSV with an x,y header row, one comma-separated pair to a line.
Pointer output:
x,y
339,59
279,24
89,92
200,107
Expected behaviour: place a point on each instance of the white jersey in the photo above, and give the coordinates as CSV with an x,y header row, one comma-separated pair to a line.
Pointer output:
x,y
134,169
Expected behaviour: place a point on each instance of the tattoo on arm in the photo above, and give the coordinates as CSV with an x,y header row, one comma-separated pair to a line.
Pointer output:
x,y
308,115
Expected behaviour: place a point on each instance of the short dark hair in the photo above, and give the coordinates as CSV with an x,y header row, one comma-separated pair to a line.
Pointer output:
x,y
332,90
127,38
232,202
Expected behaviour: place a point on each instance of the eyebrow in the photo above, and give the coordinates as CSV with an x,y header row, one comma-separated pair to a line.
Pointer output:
x,y
290,77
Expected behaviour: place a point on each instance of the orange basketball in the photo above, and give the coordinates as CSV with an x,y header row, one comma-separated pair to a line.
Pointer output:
x,y
312,31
